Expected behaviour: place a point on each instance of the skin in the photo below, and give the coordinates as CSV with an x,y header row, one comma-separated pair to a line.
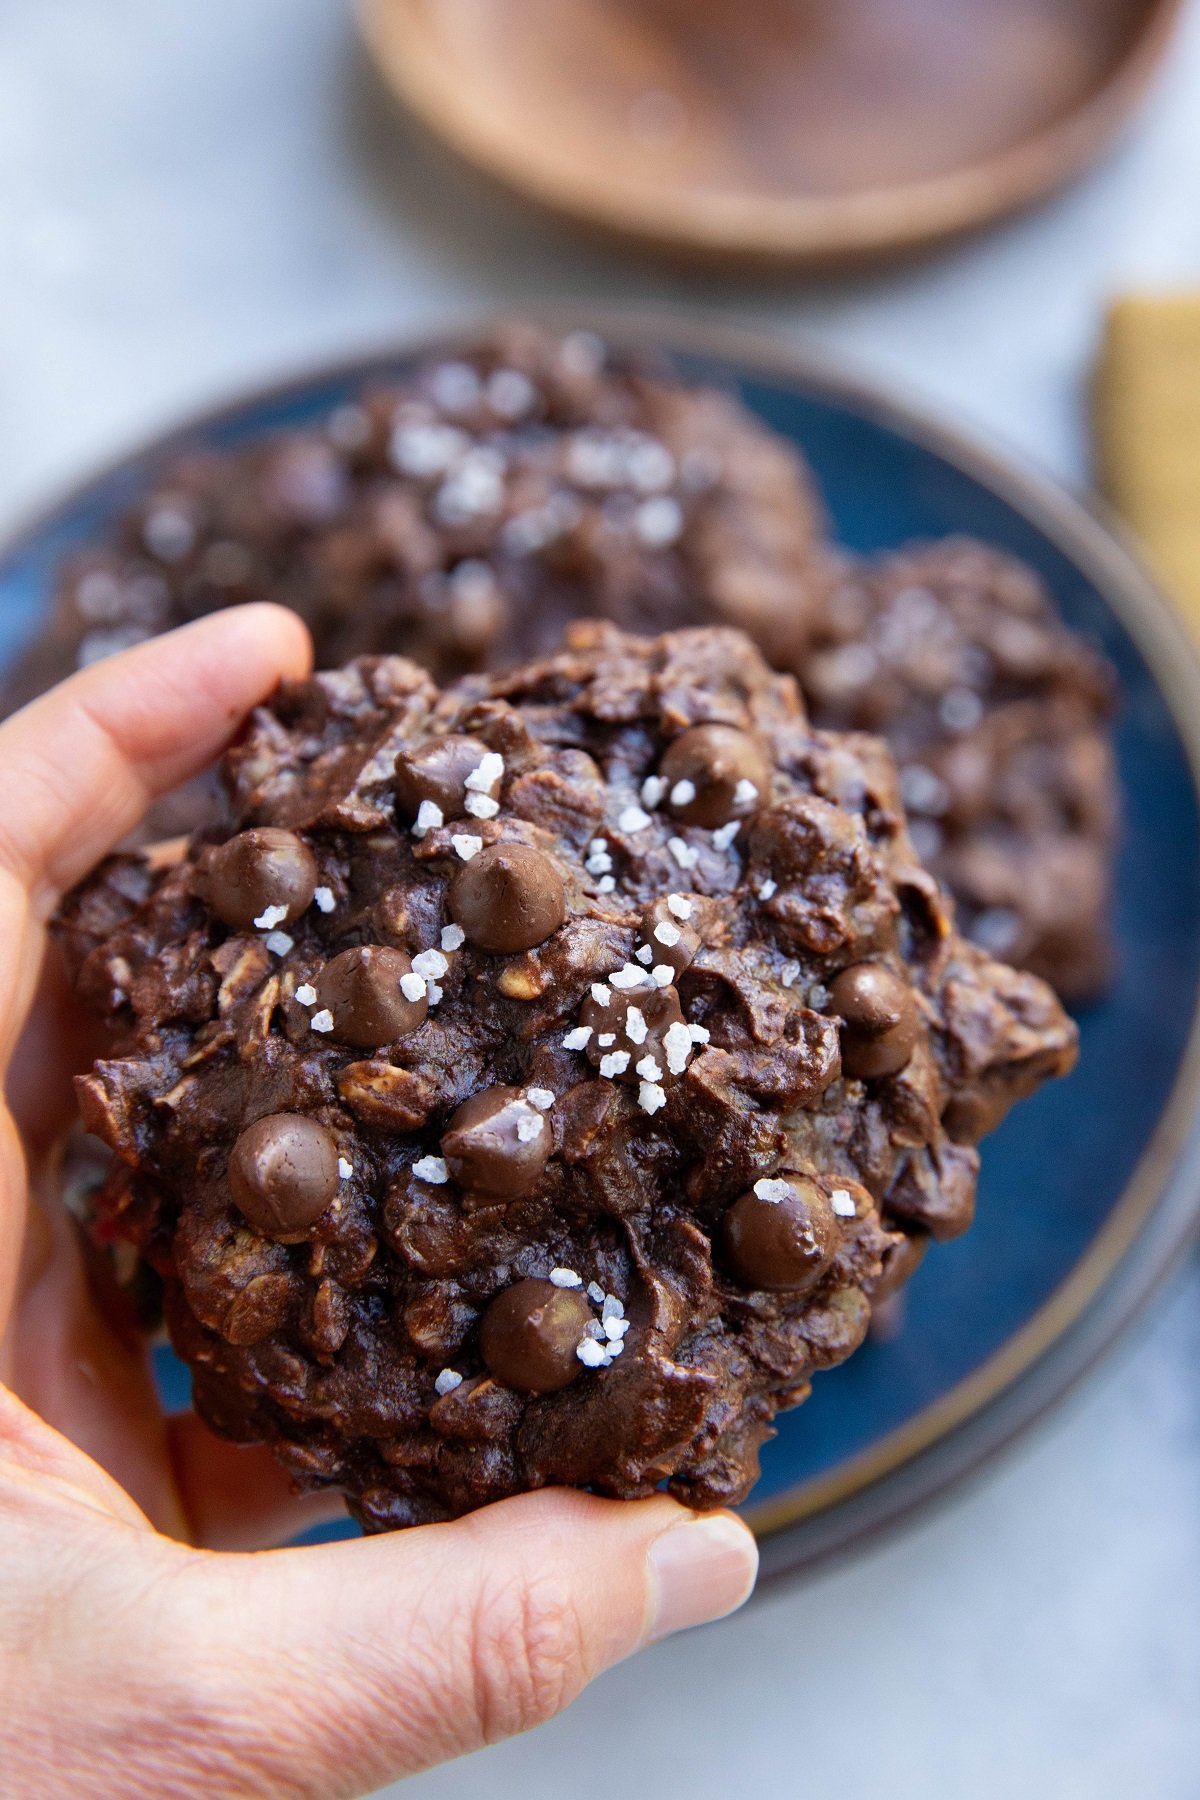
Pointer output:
x,y
152,1640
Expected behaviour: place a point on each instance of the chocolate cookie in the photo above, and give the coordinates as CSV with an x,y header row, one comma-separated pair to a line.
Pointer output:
x,y
570,1128
463,514
998,717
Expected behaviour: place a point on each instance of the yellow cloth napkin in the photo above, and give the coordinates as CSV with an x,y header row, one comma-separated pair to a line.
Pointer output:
x,y
1147,421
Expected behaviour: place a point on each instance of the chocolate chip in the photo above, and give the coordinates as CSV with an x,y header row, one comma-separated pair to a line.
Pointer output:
x,y
497,1143
710,772
437,770
361,988
781,1234
879,1020
283,1173
529,1334
637,1020
259,870
671,939
509,897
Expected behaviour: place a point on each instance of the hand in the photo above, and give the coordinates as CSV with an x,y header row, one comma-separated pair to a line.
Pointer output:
x,y
133,1661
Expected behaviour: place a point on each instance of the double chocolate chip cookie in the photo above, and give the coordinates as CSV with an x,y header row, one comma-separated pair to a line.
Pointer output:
x,y
537,1081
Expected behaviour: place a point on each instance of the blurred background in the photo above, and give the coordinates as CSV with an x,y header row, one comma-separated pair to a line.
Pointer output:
x,y
198,196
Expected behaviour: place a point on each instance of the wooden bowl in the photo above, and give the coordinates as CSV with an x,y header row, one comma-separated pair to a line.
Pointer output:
x,y
775,131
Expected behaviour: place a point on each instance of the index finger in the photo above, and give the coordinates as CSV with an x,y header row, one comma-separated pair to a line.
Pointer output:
x,y
82,764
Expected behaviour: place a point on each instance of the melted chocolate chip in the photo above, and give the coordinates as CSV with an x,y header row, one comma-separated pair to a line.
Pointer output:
x,y
509,897
361,988
529,1334
781,1240
497,1143
879,1020
257,870
283,1173
713,761
437,770
637,1020
672,939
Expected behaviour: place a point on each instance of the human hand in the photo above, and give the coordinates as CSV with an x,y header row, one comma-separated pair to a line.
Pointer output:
x,y
138,1656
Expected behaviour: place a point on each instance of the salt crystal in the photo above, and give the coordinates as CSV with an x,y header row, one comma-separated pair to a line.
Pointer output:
x,y
615,1347
745,793
630,976
412,986
530,1125
769,1188
481,806
789,973
431,1169
606,1038
677,1046
466,846
633,818
644,954
591,1354
453,937
614,1064
323,896
306,994
345,1168
682,908
606,884
615,1329
489,772
270,916
322,1021
667,934
429,815
651,1097
279,943
842,1202
612,1308
699,1034
577,1039
566,1278
653,789
447,1381
430,962
598,863
658,522
542,1098
725,834
600,994
433,993
662,974
595,1293
648,1069
683,793
684,855
635,1025
767,889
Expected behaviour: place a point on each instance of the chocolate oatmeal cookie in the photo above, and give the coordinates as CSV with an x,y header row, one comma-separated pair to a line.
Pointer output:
x,y
999,719
463,514
536,1081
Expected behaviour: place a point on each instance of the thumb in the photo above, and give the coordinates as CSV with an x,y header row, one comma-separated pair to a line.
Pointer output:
x,y
323,1672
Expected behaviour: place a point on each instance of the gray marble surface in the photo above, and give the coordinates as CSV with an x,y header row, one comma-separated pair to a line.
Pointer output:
x,y
196,194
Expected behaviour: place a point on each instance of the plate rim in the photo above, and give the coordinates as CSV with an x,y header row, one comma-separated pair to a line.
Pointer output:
x,y
1164,1186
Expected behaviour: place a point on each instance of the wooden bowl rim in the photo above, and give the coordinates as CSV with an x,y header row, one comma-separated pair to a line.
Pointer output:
x,y
757,227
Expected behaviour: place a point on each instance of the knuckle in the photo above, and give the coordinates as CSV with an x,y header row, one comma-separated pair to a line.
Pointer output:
x,y
528,1653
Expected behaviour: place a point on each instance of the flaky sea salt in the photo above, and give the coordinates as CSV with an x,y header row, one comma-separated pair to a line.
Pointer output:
x,y
306,994
542,1098
699,1034
767,888
685,856
279,943
345,1168
323,1020
677,1047
768,1187
481,806
662,974
270,917
683,793
725,834
628,976
614,1064
595,1293
651,1096
466,846
600,994
842,1202
530,1125
644,954
447,1381
648,1069
653,789
680,906
323,899
633,818
431,1169
591,1354
429,815
412,986
430,963
566,1278
578,1038
635,1025
745,793
666,933
453,937
484,778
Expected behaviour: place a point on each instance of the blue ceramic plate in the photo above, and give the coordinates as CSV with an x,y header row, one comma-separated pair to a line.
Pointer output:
x,y
1090,1189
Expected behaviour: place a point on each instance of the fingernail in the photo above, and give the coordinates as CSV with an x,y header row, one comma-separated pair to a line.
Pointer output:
x,y
699,1571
